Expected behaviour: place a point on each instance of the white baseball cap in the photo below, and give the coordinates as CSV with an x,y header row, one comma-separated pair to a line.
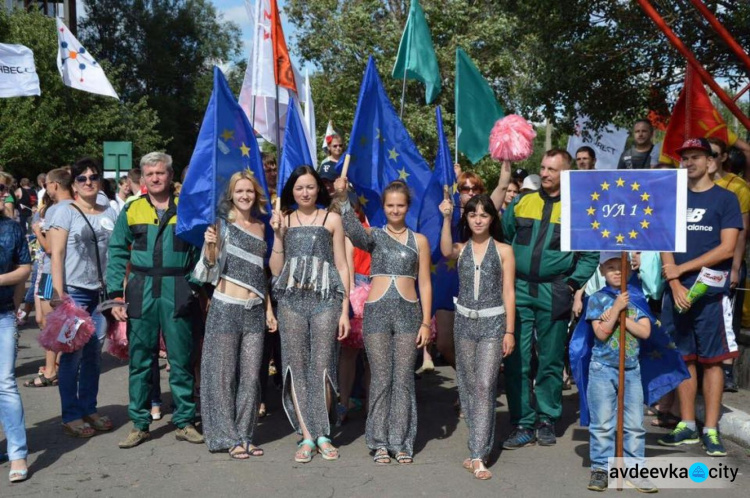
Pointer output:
x,y
531,182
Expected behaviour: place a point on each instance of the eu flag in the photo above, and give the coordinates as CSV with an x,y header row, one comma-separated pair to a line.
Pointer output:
x,y
382,151
443,271
662,366
226,144
295,152
624,210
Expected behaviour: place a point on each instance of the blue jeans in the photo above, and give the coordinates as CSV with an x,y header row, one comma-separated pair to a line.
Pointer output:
x,y
11,409
29,297
602,394
78,375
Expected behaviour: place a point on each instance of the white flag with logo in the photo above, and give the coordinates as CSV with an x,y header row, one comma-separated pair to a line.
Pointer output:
x,y
608,147
77,67
18,76
310,119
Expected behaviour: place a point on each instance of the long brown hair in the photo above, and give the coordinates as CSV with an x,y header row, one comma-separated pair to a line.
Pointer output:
x,y
259,205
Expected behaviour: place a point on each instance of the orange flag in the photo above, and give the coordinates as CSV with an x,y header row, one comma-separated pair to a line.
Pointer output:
x,y
282,68
693,116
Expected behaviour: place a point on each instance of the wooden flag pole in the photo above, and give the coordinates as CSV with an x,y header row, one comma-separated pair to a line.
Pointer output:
x,y
345,169
621,372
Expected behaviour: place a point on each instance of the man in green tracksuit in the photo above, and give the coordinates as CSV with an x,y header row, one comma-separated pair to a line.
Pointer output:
x,y
159,297
546,279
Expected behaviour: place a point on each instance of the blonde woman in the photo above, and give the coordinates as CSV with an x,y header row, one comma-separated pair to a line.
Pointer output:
x,y
232,260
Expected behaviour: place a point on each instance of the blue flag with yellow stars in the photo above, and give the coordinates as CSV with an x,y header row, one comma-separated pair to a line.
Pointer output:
x,y
624,210
295,152
662,366
443,271
382,151
226,144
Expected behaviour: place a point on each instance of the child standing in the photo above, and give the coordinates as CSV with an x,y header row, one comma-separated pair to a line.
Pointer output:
x,y
603,312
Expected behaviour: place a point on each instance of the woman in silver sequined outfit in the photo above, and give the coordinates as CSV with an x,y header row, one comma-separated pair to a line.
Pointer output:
x,y
232,260
312,289
395,323
485,318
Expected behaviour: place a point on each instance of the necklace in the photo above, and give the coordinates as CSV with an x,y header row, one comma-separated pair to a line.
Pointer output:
x,y
394,232
309,224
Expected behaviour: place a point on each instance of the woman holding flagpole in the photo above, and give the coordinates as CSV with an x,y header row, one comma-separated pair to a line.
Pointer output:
x,y
309,258
232,261
485,318
395,323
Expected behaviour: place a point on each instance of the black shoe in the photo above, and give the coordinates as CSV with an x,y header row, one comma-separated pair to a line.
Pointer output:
x,y
519,438
598,481
730,386
545,434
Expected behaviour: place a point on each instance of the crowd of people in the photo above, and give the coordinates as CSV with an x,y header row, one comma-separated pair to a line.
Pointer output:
x,y
330,293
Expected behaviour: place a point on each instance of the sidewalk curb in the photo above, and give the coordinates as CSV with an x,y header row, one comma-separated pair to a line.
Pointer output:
x,y
734,423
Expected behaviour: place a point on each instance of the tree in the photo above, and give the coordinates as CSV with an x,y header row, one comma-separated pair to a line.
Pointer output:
x,y
63,124
165,50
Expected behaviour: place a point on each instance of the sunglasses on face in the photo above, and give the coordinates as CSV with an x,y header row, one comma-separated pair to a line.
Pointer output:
x,y
465,189
3,188
336,146
82,179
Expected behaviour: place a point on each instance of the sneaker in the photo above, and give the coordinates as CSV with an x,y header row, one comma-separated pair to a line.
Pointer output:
x,y
730,386
680,435
190,434
642,485
598,480
545,434
519,438
135,438
712,444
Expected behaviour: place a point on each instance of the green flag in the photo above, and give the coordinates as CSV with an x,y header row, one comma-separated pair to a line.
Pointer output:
x,y
476,109
417,54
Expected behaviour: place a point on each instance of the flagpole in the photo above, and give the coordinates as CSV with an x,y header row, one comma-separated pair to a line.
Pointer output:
x,y
406,65
621,373
278,128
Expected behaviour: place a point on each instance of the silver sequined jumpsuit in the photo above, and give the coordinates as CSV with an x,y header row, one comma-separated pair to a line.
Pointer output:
x,y
479,343
309,293
233,344
390,327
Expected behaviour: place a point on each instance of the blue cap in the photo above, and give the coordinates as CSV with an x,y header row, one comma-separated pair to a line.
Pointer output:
x,y
605,256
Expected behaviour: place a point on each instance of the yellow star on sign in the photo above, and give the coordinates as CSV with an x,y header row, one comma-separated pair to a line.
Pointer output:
x,y
605,186
633,234
595,196
595,225
605,234
362,200
635,186
620,238
648,210
645,224
392,154
591,211
451,264
402,174
227,135
645,196
620,182
245,150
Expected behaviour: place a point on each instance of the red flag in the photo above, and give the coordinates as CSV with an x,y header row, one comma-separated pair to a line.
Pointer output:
x,y
282,68
693,116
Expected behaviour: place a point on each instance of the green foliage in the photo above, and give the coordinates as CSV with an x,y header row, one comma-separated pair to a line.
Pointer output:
x,y
165,50
63,124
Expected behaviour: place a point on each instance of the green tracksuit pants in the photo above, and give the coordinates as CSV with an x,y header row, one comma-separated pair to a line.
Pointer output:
x,y
534,318
157,314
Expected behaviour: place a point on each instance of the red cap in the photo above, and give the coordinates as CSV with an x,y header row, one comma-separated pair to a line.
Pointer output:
x,y
696,143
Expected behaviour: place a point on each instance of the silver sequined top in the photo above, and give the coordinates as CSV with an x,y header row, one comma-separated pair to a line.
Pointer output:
x,y
244,259
389,256
309,263
484,291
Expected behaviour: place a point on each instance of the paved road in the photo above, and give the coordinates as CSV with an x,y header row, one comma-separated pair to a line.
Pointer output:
x,y
64,467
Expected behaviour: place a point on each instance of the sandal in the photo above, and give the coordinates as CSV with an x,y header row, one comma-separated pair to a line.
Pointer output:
x,y
43,381
404,458
382,457
100,424
253,450
262,411
467,464
18,475
330,453
304,455
81,431
481,473
238,452
666,420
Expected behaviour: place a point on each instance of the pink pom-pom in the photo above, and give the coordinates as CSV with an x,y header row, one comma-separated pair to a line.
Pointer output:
x,y
357,299
512,139
68,328
117,340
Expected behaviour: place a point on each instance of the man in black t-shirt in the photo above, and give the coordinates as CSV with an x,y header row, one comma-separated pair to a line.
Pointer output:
x,y
26,199
643,153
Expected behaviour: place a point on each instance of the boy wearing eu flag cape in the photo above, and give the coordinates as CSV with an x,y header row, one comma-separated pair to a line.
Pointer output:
x,y
603,314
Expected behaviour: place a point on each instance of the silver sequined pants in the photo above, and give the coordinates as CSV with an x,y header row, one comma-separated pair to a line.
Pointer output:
x,y
230,367
479,353
308,327
390,328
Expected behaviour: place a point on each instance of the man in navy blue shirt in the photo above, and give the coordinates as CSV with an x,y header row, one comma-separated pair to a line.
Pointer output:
x,y
703,333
